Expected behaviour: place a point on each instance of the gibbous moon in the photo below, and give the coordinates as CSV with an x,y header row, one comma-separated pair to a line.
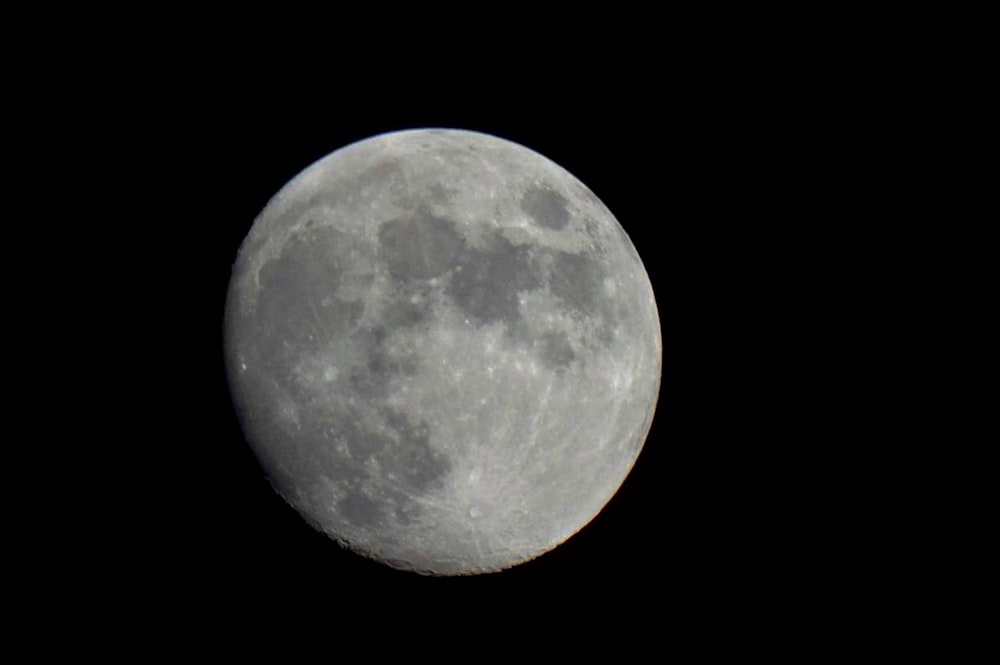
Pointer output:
x,y
443,349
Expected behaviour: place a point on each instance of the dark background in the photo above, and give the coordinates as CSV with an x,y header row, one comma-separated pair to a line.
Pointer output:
x,y
229,526
708,182
769,169
241,516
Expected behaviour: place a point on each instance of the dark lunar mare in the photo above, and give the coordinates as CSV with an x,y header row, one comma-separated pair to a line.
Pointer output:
x,y
486,282
328,373
546,207
291,320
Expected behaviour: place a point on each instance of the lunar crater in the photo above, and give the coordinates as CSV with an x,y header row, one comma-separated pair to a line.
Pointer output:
x,y
443,350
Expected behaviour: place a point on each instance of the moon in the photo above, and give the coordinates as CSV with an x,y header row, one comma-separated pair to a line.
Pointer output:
x,y
443,349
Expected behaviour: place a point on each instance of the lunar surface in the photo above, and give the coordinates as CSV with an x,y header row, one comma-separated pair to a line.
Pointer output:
x,y
443,349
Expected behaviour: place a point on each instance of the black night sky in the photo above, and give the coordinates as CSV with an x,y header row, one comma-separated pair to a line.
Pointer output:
x,y
739,152
689,178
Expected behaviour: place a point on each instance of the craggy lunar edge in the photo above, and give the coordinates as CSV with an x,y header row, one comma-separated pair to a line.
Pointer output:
x,y
443,349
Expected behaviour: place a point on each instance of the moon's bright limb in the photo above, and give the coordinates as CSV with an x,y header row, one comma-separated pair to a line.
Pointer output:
x,y
443,349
